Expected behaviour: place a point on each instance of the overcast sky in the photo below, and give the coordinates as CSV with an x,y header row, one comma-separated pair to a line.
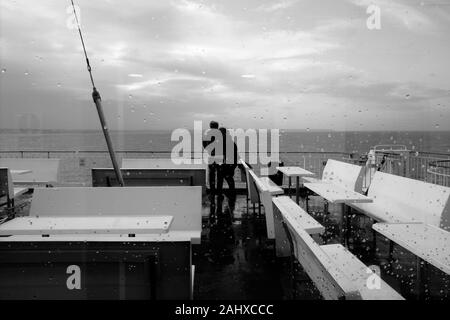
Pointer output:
x,y
247,63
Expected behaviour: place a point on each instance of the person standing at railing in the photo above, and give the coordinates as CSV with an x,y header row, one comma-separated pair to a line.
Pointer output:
x,y
228,167
212,167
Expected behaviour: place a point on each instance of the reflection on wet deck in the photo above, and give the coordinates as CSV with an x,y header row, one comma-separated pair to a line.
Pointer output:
x,y
236,260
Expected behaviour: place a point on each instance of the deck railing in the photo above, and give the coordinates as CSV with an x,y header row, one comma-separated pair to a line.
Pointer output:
x,y
425,166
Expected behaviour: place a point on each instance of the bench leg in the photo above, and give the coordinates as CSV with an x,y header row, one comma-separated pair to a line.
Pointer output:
x,y
297,190
344,225
247,203
419,278
348,228
391,250
374,245
259,210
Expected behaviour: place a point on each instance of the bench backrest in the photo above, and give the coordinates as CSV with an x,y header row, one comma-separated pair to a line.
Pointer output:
x,y
183,203
6,184
149,177
332,283
44,171
158,164
414,199
251,186
346,175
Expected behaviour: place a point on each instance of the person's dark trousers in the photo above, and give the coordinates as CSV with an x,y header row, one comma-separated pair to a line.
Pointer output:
x,y
212,168
226,172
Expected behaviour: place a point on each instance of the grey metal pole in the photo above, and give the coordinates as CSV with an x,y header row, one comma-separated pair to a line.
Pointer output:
x,y
98,104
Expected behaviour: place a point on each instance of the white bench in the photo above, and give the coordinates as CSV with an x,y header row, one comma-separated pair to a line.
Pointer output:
x,y
401,200
252,192
286,208
183,203
82,225
43,171
266,189
336,272
345,175
430,243
7,188
197,173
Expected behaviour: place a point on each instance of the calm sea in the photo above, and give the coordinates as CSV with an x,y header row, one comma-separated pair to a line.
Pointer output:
x,y
359,142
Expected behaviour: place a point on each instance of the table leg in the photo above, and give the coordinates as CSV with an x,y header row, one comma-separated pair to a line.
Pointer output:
x,y
297,194
289,187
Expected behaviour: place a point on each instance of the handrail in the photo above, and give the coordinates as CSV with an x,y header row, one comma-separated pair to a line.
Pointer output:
x,y
390,147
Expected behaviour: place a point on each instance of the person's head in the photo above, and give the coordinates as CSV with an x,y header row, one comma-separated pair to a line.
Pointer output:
x,y
214,125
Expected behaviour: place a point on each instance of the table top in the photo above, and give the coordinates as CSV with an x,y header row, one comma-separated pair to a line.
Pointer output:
x,y
86,225
19,172
337,194
428,242
295,172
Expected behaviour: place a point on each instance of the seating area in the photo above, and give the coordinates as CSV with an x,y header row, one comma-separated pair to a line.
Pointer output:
x,y
150,228
419,211
169,218
293,228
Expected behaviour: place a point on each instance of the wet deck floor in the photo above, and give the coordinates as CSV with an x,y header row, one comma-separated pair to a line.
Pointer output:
x,y
236,261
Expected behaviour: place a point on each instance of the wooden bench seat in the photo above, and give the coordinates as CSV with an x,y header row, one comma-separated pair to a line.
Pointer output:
x,y
270,186
430,243
286,209
359,274
336,194
266,190
336,272
183,203
402,200
92,225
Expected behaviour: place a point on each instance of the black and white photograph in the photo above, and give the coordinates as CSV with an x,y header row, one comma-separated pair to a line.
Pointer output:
x,y
200,152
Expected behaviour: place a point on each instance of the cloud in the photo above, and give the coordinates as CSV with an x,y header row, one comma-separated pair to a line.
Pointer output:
x,y
277,5
185,59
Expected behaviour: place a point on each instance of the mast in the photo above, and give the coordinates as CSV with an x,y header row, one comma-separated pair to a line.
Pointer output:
x,y
98,103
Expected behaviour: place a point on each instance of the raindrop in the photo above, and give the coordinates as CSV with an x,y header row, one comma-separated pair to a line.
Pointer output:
x,y
130,96
58,85
437,126
26,73
3,70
